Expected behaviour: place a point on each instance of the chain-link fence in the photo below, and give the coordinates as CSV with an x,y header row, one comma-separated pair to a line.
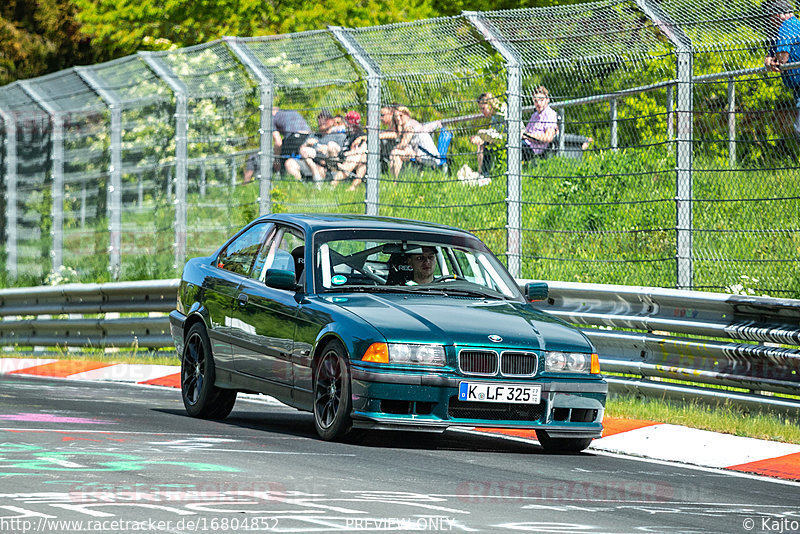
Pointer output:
x,y
667,155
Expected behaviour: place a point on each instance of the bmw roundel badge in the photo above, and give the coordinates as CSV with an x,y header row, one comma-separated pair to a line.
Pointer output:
x,y
495,338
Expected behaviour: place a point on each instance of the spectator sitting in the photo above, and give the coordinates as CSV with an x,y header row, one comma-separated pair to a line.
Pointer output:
x,y
486,140
317,149
354,131
541,128
786,48
289,131
355,152
414,143
389,133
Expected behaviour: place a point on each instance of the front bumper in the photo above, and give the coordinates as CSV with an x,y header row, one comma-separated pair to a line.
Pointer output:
x,y
176,323
569,407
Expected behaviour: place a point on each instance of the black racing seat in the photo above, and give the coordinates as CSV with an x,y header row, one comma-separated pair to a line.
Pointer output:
x,y
400,272
299,256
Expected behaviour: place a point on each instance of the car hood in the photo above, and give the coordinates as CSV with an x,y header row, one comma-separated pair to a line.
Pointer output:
x,y
462,321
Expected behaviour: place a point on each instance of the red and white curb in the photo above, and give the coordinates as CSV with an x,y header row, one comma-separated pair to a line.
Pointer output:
x,y
646,439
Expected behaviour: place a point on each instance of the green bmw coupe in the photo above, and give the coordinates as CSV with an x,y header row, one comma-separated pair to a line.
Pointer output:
x,y
381,323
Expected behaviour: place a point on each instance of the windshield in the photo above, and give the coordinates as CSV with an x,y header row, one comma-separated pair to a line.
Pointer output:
x,y
379,262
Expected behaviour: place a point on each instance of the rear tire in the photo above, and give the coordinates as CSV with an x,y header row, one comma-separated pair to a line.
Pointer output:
x,y
332,401
561,444
201,397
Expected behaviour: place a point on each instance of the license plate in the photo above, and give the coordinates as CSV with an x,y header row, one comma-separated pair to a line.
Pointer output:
x,y
508,393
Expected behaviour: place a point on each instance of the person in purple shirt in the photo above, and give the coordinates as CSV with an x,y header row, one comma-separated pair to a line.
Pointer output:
x,y
542,127
786,48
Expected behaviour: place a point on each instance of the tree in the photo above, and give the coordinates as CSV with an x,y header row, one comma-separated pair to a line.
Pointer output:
x,y
40,36
122,27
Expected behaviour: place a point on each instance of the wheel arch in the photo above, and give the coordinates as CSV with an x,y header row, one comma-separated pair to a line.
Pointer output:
x,y
192,320
323,342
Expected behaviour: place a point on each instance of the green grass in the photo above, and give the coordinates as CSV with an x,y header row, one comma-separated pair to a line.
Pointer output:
x,y
122,355
722,418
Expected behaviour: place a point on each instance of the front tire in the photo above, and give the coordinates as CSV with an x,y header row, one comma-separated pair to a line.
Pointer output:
x,y
201,397
561,444
332,400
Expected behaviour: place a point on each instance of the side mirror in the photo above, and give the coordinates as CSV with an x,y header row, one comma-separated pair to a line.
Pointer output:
x,y
535,291
281,279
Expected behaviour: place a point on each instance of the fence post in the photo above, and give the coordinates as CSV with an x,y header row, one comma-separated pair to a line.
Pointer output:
x,y
57,207
181,150
266,97
731,122
10,123
361,57
613,114
670,113
684,157
513,143
114,170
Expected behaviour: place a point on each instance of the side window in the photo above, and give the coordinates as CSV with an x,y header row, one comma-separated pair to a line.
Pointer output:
x,y
283,250
239,255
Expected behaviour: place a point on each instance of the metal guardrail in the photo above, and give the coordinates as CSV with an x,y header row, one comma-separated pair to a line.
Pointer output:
x,y
648,334
708,339
92,315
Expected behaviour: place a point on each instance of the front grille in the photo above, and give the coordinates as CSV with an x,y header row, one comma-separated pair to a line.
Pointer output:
x,y
478,362
518,363
494,411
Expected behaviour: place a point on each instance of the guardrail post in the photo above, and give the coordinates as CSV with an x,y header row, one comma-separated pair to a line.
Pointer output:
x,y
561,121
114,170
10,124
361,57
513,146
684,158
731,122
57,157
180,91
266,98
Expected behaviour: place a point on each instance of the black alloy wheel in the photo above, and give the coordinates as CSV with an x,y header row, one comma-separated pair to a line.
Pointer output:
x,y
201,397
332,401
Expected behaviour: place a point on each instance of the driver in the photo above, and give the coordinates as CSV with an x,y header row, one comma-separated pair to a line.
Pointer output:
x,y
423,265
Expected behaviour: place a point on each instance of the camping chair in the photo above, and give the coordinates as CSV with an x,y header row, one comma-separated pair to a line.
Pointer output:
x,y
442,144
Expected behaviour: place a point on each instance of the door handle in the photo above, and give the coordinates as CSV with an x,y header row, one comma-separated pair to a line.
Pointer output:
x,y
242,299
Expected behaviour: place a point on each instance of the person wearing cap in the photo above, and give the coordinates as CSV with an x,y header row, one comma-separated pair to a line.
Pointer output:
x,y
352,121
786,47
486,139
354,152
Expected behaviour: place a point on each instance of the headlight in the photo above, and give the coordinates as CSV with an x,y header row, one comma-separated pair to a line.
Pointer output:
x,y
571,362
406,353
417,354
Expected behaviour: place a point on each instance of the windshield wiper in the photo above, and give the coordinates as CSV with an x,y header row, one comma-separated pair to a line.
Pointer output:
x,y
453,291
369,289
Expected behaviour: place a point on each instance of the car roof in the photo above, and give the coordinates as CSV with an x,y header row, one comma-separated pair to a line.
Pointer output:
x,y
314,222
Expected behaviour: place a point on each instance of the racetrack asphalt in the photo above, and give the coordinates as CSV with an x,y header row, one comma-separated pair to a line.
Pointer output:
x,y
645,439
